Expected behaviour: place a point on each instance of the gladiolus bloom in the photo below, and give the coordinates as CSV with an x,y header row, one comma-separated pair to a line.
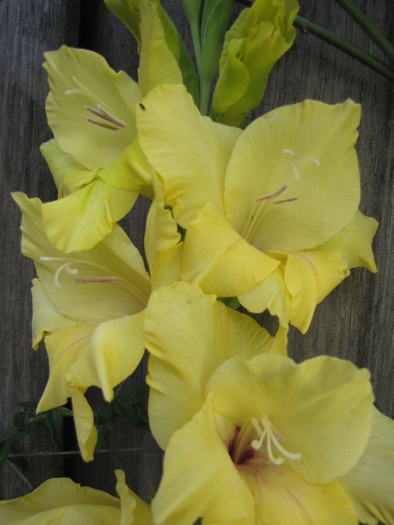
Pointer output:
x,y
271,213
252,437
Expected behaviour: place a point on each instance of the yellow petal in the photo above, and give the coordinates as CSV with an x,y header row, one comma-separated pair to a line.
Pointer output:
x,y
285,497
199,334
162,241
189,152
354,242
133,508
217,258
81,220
60,500
46,318
370,483
157,63
61,164
128,172
63,348
309,278
85,429
300,183
91,109
271,295
114,352
199,478
322,408
311,275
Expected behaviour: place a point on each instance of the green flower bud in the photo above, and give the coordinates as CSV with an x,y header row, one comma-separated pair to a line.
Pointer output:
x,y
129,13
258,38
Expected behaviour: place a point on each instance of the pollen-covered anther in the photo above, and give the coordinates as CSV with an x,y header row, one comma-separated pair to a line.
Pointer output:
x,y
113,123
101,280
267,432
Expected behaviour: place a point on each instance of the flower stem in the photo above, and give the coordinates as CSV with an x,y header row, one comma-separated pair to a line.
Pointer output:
x,y
205,89
344,45
359,17
17,471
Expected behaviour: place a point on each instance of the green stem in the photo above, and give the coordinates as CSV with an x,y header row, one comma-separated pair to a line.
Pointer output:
x,y
17,471
196,44
14,430
359,17
66,412
356,52
205,91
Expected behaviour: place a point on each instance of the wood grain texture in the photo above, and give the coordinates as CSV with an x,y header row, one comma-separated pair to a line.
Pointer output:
x,y
355,321
27,30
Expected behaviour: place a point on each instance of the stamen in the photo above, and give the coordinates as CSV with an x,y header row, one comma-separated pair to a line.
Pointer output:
x,y
106,126
286,200
264,429
100,112
87,280
138,292
272,195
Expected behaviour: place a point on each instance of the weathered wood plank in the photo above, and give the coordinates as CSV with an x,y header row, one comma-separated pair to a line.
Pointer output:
x,y
27,30
355,321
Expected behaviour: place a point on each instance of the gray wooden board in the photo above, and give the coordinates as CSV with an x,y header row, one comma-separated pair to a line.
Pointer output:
x,y
354,322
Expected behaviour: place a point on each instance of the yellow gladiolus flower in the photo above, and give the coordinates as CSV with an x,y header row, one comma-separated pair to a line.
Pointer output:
x,y
271,212
61,501
249,435
89,306
95,158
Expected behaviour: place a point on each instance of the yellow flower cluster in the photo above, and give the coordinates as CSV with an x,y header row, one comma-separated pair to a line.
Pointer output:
x,y
268,215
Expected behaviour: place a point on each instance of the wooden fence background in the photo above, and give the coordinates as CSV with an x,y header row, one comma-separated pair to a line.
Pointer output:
x,y
355,321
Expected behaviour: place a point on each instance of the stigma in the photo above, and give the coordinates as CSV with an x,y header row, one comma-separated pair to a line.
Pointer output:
x,y
267,433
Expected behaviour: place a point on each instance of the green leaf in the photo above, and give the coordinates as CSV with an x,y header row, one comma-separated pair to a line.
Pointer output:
x,y
100,438
142,412
127,414
231,302
131,392
103,413
19,419
5,450
28,406
55,427
24,432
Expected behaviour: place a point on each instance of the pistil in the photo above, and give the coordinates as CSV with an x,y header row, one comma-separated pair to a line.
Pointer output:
x,y
256,433
104,279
